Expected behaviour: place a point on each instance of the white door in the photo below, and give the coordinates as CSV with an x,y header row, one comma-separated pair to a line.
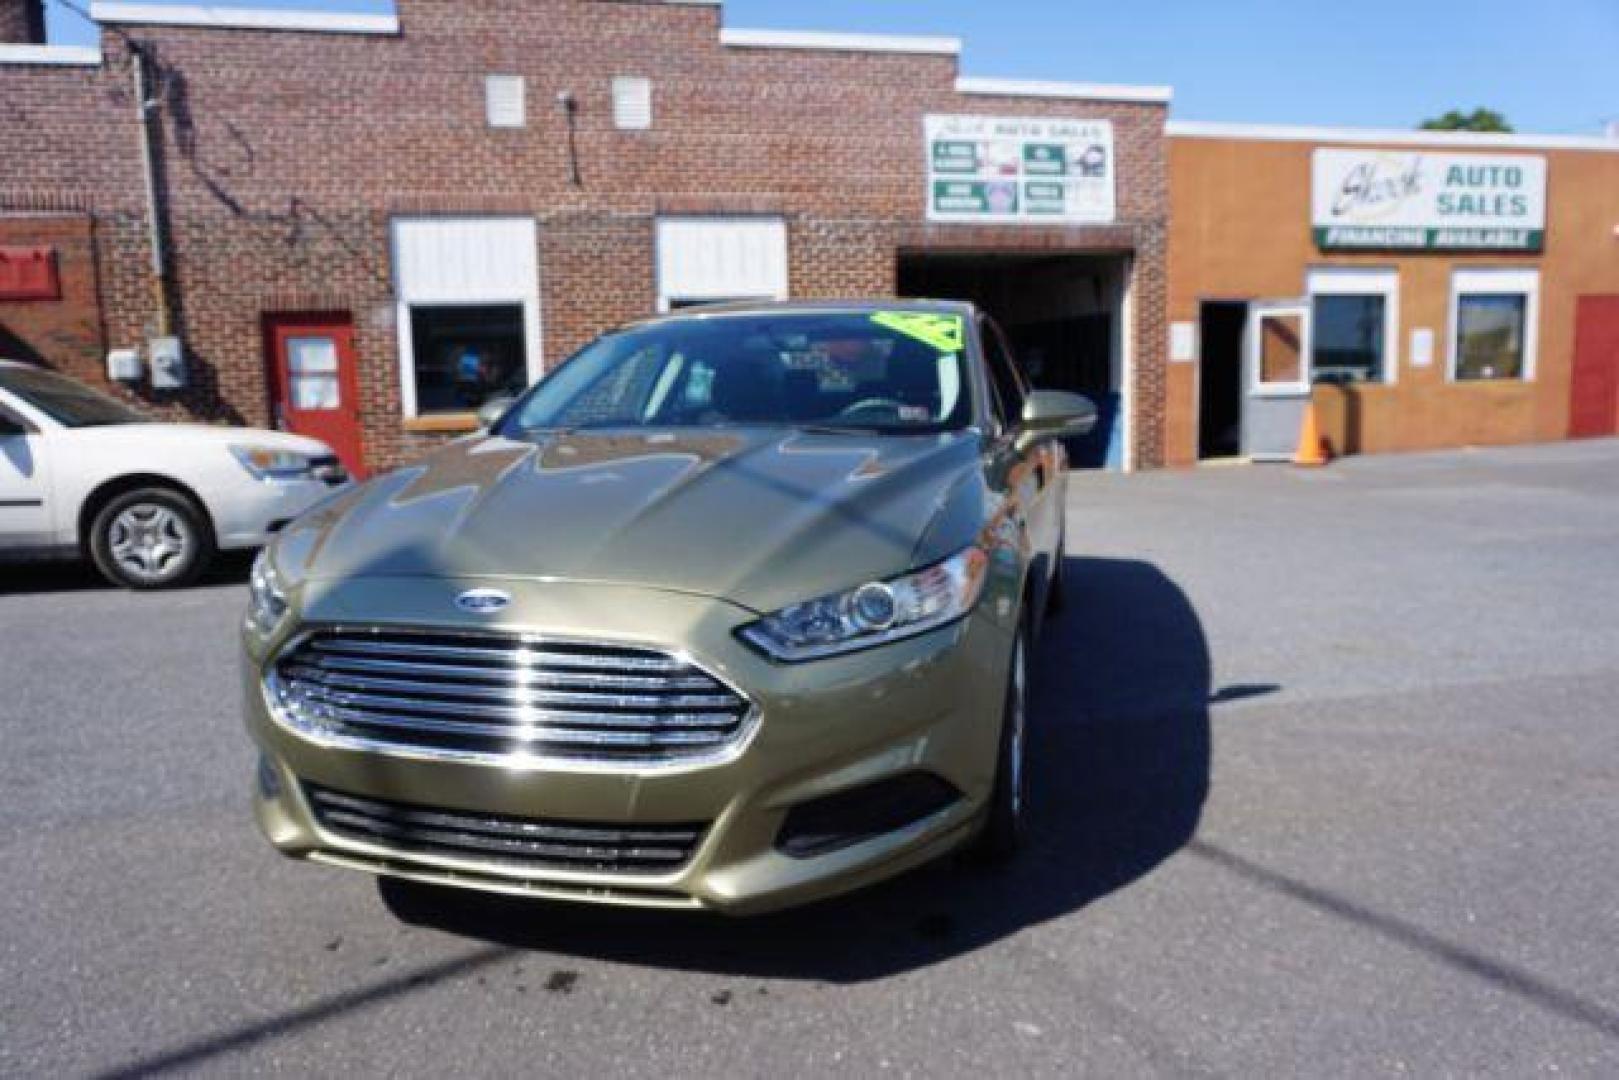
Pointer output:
x,y
25,511
1278,362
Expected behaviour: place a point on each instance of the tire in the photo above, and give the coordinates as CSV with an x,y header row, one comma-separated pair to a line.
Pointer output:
x,y
151,538
1005,827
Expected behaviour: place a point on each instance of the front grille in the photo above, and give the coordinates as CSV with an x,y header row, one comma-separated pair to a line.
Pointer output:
x,y
522,843
504,696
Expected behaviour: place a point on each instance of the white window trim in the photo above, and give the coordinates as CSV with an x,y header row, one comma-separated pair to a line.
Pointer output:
x,y
407,341
1254,360
404,332
1362,281
1494,281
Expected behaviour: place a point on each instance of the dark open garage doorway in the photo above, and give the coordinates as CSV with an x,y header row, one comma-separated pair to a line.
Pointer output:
x,y
1062,313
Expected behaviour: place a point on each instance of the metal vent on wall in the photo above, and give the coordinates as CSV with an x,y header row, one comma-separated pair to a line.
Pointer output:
x,y
506,101
632,103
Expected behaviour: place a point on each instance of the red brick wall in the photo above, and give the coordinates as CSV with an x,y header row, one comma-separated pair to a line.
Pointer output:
x,y
285,154
67,332
22,21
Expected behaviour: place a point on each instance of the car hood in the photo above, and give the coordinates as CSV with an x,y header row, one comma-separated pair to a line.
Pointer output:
x,y
198,435
760,517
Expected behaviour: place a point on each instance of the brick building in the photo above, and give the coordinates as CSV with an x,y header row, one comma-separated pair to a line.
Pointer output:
x,y
1421,290
448,201
365,226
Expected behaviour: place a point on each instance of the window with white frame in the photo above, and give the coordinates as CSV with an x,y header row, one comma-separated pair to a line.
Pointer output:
x,y
1494,316
1355,316
706,260
468,324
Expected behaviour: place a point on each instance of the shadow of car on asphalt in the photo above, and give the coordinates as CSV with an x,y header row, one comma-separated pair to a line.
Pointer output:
x,y
64,576
1120,755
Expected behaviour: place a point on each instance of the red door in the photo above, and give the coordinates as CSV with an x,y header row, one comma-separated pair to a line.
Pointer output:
x,y
313,385
1594,408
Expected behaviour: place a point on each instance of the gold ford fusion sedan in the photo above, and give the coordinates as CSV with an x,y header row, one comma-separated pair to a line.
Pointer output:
x,y
731,611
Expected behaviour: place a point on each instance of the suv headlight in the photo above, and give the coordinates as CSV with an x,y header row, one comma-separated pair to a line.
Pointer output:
x,y
268,463
267,600
872,614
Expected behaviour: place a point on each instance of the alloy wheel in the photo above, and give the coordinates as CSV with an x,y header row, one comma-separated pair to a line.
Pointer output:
x,y
149,542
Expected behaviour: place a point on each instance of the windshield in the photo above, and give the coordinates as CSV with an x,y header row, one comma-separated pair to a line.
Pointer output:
x,y
69,403
900,372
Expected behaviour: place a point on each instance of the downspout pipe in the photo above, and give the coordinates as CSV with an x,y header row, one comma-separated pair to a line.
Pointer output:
x,y
145,109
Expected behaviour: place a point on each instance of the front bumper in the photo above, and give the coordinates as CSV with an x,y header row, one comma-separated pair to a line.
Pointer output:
x,y
252,511
930,704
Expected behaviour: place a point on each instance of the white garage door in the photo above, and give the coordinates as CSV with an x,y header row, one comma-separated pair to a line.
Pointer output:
x,y
706,260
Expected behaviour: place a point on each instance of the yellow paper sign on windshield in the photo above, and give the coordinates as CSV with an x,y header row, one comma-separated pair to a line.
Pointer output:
x,y
947,333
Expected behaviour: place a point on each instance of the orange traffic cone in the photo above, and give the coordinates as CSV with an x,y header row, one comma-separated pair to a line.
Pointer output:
x,y
1313,451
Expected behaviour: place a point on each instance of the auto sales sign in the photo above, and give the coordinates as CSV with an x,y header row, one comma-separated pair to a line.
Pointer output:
x,y
1387,199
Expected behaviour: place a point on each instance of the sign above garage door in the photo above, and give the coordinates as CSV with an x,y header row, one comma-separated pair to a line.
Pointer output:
x,y
998,169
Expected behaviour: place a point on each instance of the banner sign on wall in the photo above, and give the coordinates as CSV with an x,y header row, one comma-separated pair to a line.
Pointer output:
x,y
987,169
1388,199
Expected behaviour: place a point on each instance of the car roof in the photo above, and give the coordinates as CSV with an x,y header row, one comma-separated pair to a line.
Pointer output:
x,y
964,308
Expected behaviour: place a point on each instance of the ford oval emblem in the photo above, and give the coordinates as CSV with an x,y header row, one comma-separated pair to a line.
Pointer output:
x,y
483,601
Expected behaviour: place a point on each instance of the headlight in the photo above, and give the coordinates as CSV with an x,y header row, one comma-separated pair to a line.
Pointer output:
x,y
267,463
872,614
267,602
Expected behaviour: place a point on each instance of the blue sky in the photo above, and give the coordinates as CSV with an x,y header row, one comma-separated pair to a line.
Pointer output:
x,y
1550,66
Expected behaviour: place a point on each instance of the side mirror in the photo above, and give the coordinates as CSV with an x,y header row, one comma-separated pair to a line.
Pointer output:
x,y
1055,414
10,425
491,411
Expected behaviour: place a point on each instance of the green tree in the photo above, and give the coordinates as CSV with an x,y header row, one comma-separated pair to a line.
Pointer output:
x,y
1480,119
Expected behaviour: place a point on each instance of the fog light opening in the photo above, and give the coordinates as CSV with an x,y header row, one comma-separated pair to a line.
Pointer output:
x,y
834,822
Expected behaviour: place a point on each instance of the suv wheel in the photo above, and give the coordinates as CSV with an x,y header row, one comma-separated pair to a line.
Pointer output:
x,y
1003,832
152,538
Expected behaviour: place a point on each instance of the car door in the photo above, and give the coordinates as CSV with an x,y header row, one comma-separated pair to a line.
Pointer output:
x,y
1031,475
25,504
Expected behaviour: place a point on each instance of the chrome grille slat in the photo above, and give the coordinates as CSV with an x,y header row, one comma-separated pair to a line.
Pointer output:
x,y
517,675
523,697
630,849
490,696
513,715
525,655
522,736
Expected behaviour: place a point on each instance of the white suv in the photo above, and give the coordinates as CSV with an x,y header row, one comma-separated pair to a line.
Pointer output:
x,y
84,474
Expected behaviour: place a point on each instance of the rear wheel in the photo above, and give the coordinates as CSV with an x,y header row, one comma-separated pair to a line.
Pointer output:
x,y
150,538
1004,830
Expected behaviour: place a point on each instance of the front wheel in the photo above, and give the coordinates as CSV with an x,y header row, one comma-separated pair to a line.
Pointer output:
x,y
1004,830
152,538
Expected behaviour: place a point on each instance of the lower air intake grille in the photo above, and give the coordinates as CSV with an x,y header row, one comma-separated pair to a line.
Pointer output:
x,y
502,696
522,843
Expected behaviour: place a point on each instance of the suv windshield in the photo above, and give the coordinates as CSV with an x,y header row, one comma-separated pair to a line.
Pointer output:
x,y
900,372
69,403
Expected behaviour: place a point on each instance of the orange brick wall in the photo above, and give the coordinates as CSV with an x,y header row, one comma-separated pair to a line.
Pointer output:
x,y
1240,230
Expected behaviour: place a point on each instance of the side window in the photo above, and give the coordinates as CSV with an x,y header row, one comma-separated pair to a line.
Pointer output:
x,y
1003,373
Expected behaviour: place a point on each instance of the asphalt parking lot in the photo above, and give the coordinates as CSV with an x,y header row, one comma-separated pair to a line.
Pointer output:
x,y
1328,783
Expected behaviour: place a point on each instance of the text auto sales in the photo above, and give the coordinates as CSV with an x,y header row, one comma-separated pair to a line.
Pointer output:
x,y
1365,188
1429,202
